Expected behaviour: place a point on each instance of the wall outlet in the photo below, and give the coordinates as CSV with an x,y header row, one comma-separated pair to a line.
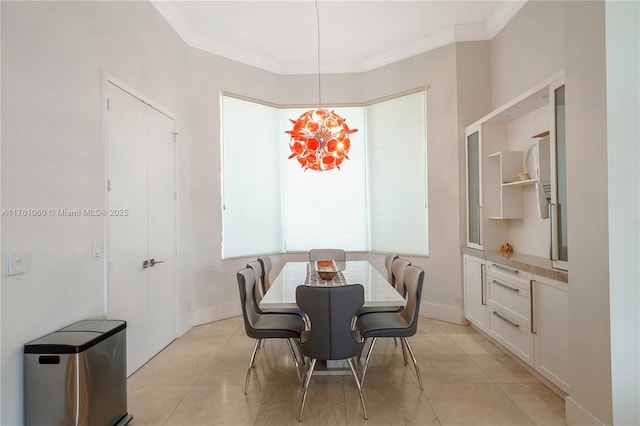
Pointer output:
x,y
18,262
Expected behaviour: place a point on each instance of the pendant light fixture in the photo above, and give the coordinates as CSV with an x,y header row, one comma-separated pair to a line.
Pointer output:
x,y
320,137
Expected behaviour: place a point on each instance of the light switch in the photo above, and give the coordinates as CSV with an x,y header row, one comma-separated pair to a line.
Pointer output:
x,y
96,249
18,262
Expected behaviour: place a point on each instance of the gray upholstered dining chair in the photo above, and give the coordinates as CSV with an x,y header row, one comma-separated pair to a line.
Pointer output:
x,y
388,262
338,255
330,311
401,324
397,275
260,326
265,262
258,272
398,270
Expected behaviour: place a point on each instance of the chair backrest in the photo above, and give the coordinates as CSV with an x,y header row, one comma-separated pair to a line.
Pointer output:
x,y
397,271
265,261
413,279
330,311
246,283
257,288
388,262
338,255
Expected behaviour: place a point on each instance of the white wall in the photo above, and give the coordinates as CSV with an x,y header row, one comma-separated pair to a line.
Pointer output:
x,y
53,54
214,290
442,294
623,153
528,50
587,214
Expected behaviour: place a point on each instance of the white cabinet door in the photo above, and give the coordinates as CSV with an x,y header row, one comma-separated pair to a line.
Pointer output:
x,y
551,326
475,295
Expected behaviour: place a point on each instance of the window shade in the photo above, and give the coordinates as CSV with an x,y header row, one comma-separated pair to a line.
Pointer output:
x,y
326,209
397,174
251,191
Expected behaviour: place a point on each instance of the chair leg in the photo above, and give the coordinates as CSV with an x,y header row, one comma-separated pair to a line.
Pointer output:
x,y
312,364
395,341
251,365
366,361
295,360
355,376
415,363
404,351
297,342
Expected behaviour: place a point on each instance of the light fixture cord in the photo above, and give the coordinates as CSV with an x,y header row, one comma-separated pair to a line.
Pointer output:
x,y
319,84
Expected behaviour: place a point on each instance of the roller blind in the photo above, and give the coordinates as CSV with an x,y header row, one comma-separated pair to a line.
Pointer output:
x,y
326,209
397,174
251,190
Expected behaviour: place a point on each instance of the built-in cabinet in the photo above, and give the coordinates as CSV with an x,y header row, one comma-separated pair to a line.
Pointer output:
x,y
497,175
513,153
526,313
475,296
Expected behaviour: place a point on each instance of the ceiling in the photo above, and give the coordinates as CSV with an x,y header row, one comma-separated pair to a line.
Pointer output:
x,y
355,36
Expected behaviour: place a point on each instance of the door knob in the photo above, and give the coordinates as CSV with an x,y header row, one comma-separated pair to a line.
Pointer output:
x,y
152,262
145,264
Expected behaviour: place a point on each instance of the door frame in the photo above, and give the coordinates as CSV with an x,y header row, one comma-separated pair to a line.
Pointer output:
x,y
108,78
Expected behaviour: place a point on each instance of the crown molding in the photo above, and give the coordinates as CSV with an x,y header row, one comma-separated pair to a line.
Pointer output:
x,y
502,15
476,32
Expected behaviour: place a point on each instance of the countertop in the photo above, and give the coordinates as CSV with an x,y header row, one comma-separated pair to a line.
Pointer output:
x,y
534,264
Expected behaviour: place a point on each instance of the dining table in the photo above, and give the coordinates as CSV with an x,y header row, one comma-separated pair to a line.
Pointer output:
x,y
281,296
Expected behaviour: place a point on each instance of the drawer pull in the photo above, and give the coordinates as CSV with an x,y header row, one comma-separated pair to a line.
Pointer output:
x,y
501,284
507,320
483,300
531,299
506,268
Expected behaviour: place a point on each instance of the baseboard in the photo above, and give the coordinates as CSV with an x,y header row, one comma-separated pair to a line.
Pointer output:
x,y
216,313
185,323
445,313
577,415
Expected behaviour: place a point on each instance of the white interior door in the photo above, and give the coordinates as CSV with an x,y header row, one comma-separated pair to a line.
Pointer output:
x,y
161,219
141,173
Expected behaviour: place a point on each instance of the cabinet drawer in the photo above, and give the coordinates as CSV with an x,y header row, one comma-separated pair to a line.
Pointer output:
x,y
508,272
511,296
511,333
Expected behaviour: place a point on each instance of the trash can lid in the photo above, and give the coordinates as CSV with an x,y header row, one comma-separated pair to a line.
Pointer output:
x,y
63,342
101,326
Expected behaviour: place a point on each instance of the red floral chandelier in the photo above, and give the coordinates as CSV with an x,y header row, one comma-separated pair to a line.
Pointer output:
x,y
320,140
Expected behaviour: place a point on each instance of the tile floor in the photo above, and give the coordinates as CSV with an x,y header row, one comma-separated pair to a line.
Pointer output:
x,y
199,380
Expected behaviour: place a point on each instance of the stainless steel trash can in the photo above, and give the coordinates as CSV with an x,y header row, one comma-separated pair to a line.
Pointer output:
x,y
77,376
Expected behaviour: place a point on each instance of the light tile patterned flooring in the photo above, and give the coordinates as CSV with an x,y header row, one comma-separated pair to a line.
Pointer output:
x,y
199,380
